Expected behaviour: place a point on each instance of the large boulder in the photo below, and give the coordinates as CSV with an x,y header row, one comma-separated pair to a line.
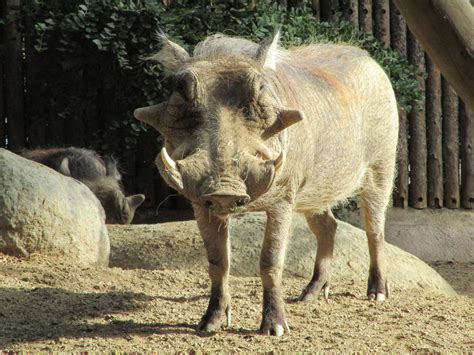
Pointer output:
x,y
178,245
42,211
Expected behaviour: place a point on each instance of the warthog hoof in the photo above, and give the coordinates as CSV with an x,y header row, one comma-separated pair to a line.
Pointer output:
x,y
313,289
378,291
210,322
274,327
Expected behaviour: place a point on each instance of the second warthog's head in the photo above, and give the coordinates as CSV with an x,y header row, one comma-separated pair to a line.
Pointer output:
x,y
221,123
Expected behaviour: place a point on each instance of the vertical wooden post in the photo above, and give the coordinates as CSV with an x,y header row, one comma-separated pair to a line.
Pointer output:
x,y
315,5
329,9
14,77
398,38
417,128
434,133
450,146
2,82
466,117
2,106
350,10
365,16
382,21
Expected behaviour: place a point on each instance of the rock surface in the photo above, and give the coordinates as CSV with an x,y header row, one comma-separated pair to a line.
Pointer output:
x,y
42,211
178,245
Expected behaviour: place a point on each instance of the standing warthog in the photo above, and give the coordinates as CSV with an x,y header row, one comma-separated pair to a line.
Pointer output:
x,y
254,127
99,174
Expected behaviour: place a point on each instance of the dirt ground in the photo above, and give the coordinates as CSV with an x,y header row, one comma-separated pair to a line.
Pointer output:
x,y
47,304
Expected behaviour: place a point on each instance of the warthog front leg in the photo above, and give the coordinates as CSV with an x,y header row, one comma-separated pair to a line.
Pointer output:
x,y
271,268
215,234
375,197
324,227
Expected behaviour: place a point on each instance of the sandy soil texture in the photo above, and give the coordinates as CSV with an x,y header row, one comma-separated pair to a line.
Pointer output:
x,y
50,305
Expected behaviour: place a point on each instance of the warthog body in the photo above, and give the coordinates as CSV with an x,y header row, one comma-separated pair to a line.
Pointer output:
x,y
253,127
99,174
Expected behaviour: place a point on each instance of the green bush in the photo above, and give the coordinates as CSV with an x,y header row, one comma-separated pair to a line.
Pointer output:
x,y
93,51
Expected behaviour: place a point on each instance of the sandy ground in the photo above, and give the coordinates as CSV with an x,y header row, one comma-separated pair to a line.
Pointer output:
x,y
50,305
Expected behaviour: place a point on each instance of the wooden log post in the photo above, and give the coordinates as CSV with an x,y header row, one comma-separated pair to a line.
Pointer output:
x,y
315,6
444,27
350,11
467,156
434,135
417,193
2,82
2,102
16,129
329,9
381,12
398,39
365,16
450,146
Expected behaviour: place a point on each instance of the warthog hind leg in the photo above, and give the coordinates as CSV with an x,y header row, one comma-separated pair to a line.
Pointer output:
x,y
215,234
375,197
324,227
271,269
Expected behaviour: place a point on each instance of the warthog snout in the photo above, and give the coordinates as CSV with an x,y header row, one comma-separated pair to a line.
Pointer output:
x,y
224,203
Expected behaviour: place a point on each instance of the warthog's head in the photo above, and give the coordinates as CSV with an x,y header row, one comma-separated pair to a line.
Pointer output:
x,y
221,122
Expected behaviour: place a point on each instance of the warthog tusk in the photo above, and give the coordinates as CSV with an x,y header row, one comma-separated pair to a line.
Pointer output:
x,y
264,151
279,161
167,160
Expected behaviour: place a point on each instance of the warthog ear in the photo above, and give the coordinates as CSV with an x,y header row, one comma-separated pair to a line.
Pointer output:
x,y
171,56
268,54
285,119
64,167
111,168
135,200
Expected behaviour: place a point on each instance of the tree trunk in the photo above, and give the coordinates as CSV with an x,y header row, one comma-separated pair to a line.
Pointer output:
x,y
350,10
445,29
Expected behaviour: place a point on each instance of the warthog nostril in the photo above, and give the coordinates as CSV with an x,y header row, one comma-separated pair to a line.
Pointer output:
x,y
225,203
241,202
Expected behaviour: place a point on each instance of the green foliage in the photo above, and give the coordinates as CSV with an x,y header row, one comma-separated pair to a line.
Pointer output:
x,y
94,52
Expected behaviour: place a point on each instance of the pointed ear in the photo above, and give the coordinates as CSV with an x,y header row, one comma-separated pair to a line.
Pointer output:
x,y
134,201
171,56
111,168
64,167
285,119
269,53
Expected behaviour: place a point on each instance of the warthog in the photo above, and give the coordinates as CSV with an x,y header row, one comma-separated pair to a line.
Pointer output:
x,y
253,127
99,174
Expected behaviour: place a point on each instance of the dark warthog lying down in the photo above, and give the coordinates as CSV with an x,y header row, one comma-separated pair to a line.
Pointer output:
x,y
254,127
99,174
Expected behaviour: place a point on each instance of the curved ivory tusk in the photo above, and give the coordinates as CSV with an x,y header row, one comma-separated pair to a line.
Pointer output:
x,y
264,151
167,160
279,161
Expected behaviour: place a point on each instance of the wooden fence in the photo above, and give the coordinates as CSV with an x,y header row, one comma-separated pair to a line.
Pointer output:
x,y
436,158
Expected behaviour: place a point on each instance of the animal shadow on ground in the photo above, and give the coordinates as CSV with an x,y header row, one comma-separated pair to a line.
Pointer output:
x,y
51,313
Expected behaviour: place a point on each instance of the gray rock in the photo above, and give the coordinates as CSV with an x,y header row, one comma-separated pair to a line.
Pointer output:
x,y
42,211
178,245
